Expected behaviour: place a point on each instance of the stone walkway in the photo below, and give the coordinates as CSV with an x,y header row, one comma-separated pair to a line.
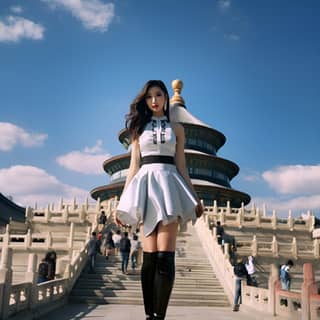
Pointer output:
x,y
129,312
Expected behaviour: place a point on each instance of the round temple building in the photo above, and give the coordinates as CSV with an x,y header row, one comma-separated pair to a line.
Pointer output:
x,y
210,174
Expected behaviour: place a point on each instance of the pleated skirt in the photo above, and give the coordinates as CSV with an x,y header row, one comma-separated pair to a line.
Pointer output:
x,y
157,193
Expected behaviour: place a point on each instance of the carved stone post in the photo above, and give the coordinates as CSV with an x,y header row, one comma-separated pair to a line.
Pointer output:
x,y
31,276
228,207
258,220
71,236
240,218
28,240
29,214
5,281
294,248
254,246
308,287
272,285
275,249
215,207
311,221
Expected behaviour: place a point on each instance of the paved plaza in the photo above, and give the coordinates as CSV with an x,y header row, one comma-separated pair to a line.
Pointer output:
x,y
129,312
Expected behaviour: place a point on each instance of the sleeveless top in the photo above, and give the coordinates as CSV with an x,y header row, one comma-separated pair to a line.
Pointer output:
x,y
158,138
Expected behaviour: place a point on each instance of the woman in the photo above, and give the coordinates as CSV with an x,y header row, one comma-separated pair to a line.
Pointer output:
x,y
158,193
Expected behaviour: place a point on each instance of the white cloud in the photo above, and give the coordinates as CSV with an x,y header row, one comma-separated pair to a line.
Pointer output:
x,y
295,179
16,9
94,14
88,161
11,135
14,28
297,205
29,185
224,4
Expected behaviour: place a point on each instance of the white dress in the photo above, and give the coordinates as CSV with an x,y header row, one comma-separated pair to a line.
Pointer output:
x,y
157,192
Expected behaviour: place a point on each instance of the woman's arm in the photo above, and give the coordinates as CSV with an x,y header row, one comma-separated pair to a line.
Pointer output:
x,y
134,162
180,160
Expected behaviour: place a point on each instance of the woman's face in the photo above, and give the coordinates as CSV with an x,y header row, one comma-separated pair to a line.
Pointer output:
x,y
155,99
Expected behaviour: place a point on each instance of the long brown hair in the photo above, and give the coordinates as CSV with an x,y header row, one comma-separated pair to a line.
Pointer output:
x,y
139,114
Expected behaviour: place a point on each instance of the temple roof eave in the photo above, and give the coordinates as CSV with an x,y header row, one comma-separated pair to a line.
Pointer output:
x,y
226,166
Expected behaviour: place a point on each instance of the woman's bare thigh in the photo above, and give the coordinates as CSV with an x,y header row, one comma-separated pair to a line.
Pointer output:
x,y
166,236
149,243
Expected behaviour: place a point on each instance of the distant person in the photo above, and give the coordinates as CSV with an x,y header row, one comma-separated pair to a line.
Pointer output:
x,y
47,267
52,259
285,276
108,245
116,239
135,247
220,232
125,247
102,221
233,253
241,273
251,280
93,250
43,271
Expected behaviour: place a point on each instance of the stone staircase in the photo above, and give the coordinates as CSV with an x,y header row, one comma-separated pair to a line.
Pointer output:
x,y
195,284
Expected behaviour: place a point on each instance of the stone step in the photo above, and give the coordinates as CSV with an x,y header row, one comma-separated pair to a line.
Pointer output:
x,y
135,301
137,286
195,283
176,294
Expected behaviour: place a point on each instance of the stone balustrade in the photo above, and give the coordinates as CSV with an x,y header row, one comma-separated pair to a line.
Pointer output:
x,y
32,298
272,300
256,218
274,248
28,296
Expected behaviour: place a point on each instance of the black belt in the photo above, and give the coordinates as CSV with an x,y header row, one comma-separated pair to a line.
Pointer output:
x,y
157,159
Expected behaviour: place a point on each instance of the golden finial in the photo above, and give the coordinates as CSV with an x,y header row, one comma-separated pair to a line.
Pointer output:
x,y
177,86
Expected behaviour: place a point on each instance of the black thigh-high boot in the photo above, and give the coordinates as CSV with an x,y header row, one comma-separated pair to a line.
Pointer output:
x,y
164,279
148,270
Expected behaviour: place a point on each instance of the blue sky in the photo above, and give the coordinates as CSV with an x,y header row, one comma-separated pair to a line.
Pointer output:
x,y
69,70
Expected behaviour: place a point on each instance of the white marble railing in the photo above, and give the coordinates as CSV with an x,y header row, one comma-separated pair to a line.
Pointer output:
x,y
45,240
272,300
256,218
274,248
29,296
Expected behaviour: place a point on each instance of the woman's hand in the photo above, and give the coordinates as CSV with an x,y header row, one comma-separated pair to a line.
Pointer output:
x,y
199,209
116,220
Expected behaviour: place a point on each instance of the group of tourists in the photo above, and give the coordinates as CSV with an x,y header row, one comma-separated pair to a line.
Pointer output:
x,y
111,244
245,269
